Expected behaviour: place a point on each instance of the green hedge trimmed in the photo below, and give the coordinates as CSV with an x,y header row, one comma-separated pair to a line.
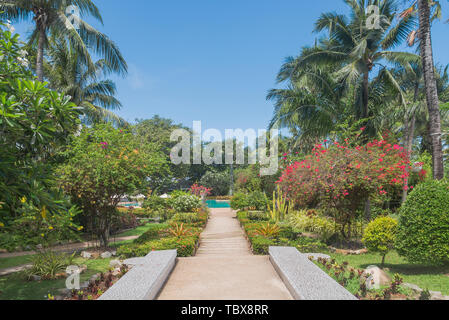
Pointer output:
x,y
423,234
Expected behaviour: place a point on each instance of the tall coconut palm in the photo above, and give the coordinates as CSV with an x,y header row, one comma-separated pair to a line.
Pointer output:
x,y
358,48
431,88
50,18
86,86
310,106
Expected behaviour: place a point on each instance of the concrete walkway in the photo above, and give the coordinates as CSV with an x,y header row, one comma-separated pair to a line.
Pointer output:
x,y
224,267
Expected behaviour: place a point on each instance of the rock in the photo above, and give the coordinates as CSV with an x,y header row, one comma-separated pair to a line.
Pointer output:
x,y
84,285
86,255
35,278
3,251
359,252
106,255
412,286
39,247
115,263
94,277
316,256
436,295
114,253
378,278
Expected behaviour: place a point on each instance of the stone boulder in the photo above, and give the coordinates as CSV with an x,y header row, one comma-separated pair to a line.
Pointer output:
x,y
115,263
86,255
377,278
106,255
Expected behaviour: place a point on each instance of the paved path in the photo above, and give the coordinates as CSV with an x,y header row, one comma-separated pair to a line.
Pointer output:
x,y
224,267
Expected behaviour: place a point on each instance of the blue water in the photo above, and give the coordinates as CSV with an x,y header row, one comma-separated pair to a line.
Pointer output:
x,y
131,205
217,204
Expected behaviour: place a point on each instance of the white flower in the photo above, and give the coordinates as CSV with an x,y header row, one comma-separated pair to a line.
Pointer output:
x,y
23,61
23,53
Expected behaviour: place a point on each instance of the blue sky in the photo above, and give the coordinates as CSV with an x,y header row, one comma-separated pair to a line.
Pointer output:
x,y
213,60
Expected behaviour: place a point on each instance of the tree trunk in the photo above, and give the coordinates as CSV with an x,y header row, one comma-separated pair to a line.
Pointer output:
x,y
409,135
365,90
431,88
40,53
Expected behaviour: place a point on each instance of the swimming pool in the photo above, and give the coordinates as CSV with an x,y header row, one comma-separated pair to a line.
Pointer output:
x,y
213,204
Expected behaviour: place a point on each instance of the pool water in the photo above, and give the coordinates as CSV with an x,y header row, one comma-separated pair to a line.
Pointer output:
x,y
213,204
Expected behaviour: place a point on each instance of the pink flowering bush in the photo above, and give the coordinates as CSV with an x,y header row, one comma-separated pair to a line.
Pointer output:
x,y
343,176
200,191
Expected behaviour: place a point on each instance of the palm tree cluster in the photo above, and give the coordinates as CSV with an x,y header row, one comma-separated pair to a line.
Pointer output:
x,y
355,71
62,45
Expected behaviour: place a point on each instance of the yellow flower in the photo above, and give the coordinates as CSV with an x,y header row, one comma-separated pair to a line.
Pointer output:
x,y
80,228
23,200
42,235
44,212
2,224
50,227
136,151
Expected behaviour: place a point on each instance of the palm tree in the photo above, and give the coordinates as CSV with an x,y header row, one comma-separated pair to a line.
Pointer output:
x,y
86,86
50,18
429,11
310,106
357,49
431,88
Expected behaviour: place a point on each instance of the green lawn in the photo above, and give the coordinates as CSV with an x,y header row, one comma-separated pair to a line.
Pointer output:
x,y
15,261
425,276
135,232
16,287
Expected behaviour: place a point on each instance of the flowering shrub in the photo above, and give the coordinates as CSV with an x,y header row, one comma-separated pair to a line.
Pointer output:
x,y
343,176
200,191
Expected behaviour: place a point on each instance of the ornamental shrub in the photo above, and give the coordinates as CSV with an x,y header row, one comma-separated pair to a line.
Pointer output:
x,y
185,246
423,234
344,176
239,201
380,235
187,203
306,222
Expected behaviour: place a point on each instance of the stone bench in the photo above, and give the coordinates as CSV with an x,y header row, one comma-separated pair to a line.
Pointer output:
x,y
304,279
145,279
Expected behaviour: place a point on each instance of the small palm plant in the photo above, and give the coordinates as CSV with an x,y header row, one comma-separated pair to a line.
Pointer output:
x,y
179,230
268,230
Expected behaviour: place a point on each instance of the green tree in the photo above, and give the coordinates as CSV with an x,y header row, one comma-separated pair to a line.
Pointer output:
x,y
103,164
219,182
50,18
35,123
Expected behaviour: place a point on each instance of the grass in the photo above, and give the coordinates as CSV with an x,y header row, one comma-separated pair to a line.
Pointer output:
x,y
425,276
21,260
15,261
16,287
135,232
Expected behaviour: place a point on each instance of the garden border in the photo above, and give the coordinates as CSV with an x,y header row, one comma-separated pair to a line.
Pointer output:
x,y
303,278
146,279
